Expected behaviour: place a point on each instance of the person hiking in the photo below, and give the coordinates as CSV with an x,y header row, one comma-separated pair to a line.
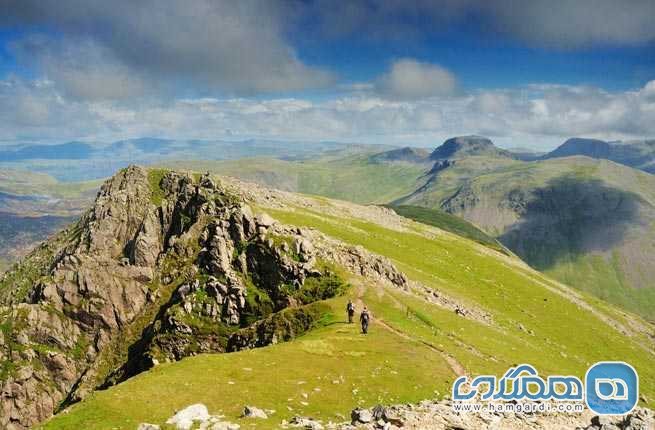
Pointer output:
x,y
350,309
364,318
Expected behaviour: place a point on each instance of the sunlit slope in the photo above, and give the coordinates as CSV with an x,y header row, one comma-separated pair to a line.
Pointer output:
x,y
415,348
588,223
356,178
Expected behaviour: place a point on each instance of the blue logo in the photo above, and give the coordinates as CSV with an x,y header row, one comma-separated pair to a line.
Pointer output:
x,y
612,388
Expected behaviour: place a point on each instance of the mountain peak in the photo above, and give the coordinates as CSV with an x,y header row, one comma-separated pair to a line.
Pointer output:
x,y
594,148
465,146
406,154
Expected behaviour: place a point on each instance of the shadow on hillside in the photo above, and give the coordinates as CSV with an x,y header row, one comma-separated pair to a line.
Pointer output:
x,y
569,216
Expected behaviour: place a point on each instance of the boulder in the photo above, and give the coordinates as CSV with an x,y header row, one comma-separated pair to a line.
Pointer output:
x,y
363,416
306,423
254,412
265,220
185,419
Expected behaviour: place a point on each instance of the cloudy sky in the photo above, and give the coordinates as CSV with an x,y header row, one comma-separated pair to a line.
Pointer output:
x,y
525,73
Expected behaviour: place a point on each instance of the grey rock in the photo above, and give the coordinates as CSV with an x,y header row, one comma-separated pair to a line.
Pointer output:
x,y
254,412
265,220
187,417
361,416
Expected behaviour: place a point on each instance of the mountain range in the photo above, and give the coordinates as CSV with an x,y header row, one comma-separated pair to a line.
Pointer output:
x,y
638,154
570,213
178,291
585,221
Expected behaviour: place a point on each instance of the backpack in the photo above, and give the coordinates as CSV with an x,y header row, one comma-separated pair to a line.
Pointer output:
x,y
351,307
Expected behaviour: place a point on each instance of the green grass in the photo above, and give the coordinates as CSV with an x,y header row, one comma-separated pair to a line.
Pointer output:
x,y
512,295
403,364
155,177
448,222
347,369
604,278
354,178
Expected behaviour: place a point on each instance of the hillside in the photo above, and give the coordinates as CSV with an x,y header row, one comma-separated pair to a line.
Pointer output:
x,y
243,267
639,154
34,206
587,223
360,178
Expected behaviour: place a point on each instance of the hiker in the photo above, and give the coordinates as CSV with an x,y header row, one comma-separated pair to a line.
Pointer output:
x,y
350,308
364,318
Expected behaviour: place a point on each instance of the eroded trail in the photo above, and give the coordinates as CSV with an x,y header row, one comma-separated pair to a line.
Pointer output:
x,y
454,365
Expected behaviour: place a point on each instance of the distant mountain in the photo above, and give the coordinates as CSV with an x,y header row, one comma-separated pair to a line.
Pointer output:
x,y
639,154
76,161
586,222
526,154
466,146
70,151
407,154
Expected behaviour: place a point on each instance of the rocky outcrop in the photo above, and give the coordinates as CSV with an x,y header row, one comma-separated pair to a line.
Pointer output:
x,y
82,296
163,266
181,256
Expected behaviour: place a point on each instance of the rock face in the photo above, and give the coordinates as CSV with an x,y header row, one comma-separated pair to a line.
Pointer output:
x,y
163,266
58,325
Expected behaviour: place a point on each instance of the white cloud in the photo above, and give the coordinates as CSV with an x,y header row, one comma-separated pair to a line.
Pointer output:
x,y
411,79
538,115
81,68
207,46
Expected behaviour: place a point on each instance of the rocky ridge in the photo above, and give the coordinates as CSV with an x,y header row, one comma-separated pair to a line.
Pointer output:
x,y
165,265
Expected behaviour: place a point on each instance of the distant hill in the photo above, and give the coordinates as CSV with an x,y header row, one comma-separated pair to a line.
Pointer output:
x,y
466,146
70,151
639,154
77,161
589,223
407,154
526,154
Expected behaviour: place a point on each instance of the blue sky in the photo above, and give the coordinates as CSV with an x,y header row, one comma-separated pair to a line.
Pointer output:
x,y
391,71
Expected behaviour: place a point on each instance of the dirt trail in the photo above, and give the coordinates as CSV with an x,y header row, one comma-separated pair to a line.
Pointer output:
x,y
455,365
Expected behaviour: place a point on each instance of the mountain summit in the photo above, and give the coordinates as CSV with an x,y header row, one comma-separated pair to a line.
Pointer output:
x,y
593,148
639,154
465,146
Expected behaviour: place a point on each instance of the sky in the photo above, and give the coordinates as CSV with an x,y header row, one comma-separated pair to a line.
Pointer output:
x,y
402,72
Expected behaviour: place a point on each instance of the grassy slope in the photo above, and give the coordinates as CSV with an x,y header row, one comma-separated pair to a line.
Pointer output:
x,y
375,368
621,274
613,276
353,178
448,222
26,183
